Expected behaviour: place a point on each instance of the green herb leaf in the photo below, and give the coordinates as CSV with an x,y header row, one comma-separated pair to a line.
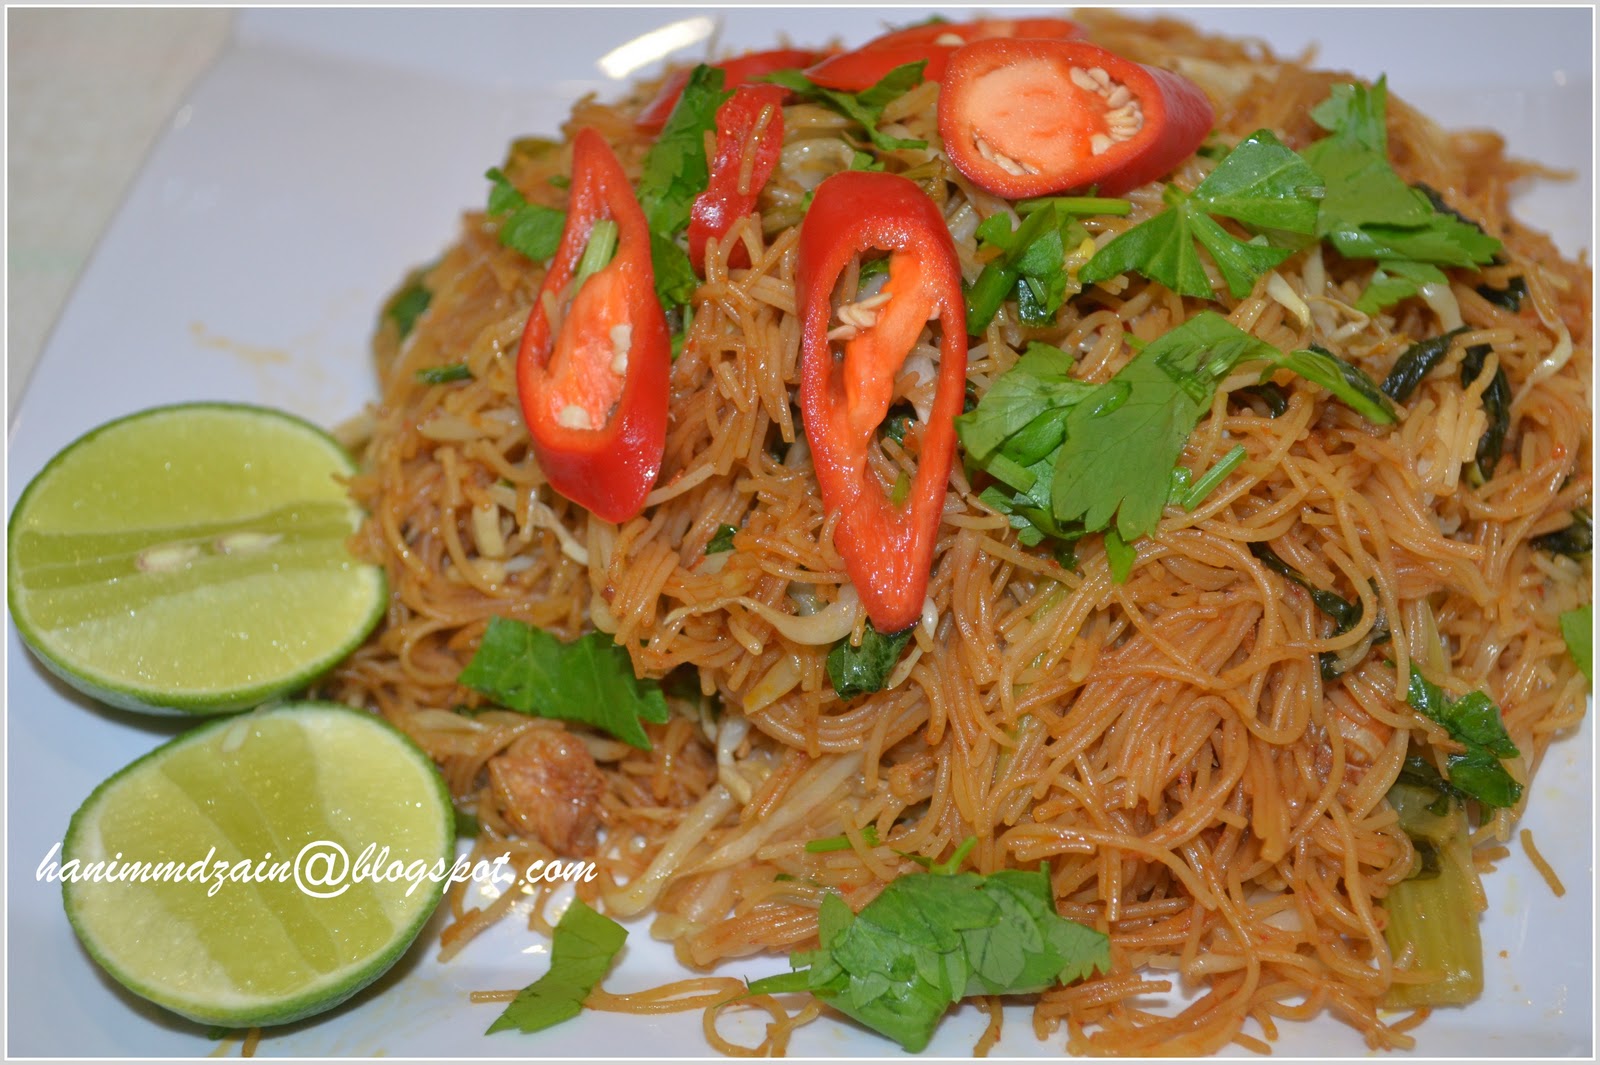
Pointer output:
x,y
865,669
1416,362
675,170
1261,183
529,228
1120,557
1345,380
1496,400
722,540
589,680
582,950
930,939
1577,629
408,302
865,107
1124,439
1473,721
1396,280
440,375
1367,210
1023,415
1575,541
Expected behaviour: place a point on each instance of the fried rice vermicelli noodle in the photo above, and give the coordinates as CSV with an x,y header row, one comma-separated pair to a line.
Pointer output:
x,y
1167,745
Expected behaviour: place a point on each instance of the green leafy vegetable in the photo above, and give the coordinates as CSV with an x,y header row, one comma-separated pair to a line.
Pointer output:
x,y
1577,629
865,669
1022,417
1473,721
1575,541
931,939
582,950
864,107
1367,210
529,228
1345,380
589,680
440,375
1261,183
1496,400
722,540
1345,613
408,302
675,170
1395,280
1270,395
1123,440
1509,298
1416,362
1120,557
1032,264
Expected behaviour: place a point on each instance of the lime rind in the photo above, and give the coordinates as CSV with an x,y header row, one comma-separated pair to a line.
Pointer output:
x,y
222,1007
117,687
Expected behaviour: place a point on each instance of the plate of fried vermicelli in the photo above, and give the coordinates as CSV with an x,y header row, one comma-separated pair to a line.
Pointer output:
x,y
1035,532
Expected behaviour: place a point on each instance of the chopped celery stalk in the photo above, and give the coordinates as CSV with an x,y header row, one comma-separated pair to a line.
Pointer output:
x,y
1433,920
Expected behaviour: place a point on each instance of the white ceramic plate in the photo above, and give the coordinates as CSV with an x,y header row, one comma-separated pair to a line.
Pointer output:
x,y
330,150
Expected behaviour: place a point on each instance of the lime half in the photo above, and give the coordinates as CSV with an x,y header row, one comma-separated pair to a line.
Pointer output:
x,y
192,558
213,901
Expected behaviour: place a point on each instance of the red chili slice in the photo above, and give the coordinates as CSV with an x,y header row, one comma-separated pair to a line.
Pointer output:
x,y
736,71
1029,118
887,547
594,395
749,138
934,42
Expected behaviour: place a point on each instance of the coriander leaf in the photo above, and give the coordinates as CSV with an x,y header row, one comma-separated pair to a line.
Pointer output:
x,y
675,277
529,228
865,669
1395,280
589,680
1261,183
1367,210
1120,557
1023,415
865,107
582,950
408,302
929,939
533,230
1577,629
1118,456
1160,248
722,540
675,170
1241,262
1032,263
439,375
1473,721
1345,380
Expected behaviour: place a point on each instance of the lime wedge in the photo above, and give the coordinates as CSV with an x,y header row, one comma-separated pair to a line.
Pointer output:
x,y
250,949
192,558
